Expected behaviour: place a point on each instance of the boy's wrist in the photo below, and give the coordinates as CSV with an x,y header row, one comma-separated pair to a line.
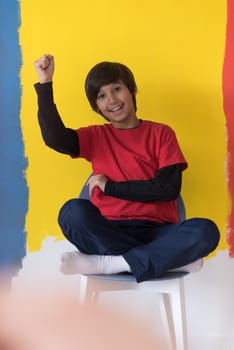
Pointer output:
x,y
45,81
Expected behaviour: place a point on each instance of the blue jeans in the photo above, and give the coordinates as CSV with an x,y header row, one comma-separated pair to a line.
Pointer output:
x,y
149,248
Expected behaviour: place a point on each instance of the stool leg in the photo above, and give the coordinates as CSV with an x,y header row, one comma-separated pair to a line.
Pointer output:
x,y
168,320
88,295
177,299
82,289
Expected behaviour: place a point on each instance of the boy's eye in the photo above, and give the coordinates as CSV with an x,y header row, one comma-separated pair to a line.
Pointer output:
x,y
100,96
117,88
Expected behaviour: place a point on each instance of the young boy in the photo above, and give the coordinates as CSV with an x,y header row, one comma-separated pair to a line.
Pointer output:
x,y
131,221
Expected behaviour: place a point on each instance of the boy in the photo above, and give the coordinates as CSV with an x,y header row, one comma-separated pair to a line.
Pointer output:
x,y
130,223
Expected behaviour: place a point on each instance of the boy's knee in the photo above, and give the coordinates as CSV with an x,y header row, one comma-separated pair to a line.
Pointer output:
x,y
209,233
211,228
72,209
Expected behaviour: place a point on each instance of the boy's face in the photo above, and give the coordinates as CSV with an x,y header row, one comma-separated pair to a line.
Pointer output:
x,y
115,102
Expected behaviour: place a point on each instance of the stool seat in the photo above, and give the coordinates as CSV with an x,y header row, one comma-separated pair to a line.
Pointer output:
x,y
131,278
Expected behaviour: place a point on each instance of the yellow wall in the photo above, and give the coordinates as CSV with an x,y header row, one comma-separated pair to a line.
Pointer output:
x,y
175,50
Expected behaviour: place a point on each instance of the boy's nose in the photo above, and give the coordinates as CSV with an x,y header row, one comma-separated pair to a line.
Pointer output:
x,y
111,98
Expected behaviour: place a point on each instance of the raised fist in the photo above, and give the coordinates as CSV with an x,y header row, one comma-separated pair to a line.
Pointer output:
x,y
44,67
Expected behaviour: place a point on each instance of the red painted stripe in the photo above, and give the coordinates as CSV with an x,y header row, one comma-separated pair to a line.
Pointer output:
x,y
228,104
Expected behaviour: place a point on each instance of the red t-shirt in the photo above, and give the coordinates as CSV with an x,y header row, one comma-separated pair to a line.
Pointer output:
x,y
131,154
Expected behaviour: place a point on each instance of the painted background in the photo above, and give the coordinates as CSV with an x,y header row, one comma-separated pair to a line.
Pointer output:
x,y
13,187
176,51
228,93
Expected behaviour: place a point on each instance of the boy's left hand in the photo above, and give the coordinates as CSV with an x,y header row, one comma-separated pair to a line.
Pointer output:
x,y
99,181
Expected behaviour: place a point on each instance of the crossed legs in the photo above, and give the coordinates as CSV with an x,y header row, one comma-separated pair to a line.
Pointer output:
x,y
144,248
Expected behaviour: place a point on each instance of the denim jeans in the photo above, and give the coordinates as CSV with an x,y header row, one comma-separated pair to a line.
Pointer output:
x,y
149,248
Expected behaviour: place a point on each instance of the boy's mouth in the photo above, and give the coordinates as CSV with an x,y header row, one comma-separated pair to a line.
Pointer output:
x,y
116,108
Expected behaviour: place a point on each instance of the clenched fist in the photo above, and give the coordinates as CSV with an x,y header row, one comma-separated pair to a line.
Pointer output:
x,y
45,68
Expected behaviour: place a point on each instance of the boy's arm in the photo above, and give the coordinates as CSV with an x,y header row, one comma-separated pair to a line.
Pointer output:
x,y
54,133
165,186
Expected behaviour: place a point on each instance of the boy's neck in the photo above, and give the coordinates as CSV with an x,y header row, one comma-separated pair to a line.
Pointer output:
x,y
129,125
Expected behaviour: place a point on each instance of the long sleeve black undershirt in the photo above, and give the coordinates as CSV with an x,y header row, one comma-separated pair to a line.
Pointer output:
x,y
54,133
164,187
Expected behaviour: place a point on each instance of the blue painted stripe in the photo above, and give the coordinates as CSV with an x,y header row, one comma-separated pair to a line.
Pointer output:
x,y
13,188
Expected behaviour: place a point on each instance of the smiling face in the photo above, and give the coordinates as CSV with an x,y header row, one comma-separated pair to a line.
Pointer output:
x,y
101,85
115,102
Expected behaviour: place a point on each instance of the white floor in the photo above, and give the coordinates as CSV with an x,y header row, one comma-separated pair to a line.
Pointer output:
x,y
209,295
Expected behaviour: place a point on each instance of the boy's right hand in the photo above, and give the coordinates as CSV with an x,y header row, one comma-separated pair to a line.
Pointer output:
x,y
44,67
